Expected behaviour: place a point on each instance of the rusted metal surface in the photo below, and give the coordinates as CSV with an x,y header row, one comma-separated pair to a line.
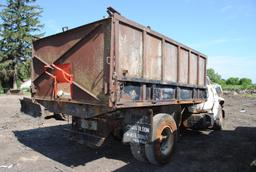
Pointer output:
x,y
171,72
202,73
193,69
183,66
130,48
117,63
84,48
171,62
77,109
153,59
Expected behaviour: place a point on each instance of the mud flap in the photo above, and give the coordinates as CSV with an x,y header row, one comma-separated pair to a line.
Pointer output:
x,y
138,130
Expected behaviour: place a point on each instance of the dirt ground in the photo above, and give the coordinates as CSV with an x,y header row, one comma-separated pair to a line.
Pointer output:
x,y
30,143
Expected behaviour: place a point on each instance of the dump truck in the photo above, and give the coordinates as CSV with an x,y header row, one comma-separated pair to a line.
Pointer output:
x,y
117,77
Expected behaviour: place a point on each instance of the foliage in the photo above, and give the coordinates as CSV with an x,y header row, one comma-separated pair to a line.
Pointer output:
x,y
215,77
238,87
231,87
245,81
232,81
1,88
19,25
24,70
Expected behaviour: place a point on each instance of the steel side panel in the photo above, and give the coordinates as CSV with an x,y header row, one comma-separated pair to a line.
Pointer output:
x,y
183,66
152,50
154,58
86,49
171,62
130,51
166,73
52,47
202,64
193,69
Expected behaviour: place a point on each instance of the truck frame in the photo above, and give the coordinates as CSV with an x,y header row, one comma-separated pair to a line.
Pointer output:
x,y
117,76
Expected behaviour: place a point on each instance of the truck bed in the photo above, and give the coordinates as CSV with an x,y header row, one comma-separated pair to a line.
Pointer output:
x,y
115,63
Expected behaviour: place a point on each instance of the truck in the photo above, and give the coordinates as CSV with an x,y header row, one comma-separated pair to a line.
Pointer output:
x,y
117,77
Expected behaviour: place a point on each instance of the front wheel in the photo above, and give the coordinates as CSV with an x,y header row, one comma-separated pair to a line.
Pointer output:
x,y
159,151
219,122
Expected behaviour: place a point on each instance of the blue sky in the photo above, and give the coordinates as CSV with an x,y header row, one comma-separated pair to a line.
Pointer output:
x,y
224,30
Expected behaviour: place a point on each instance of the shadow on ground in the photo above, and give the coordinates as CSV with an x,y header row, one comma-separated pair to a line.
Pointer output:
x,y
196,151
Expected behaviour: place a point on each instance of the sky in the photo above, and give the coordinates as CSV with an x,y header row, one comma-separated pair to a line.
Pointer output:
x,y
224,30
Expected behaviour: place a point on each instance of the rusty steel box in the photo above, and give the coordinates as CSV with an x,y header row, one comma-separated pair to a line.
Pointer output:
x,y
114,63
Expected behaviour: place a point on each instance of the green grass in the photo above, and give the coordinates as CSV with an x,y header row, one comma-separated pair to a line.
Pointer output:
x,y
231,87
238,87
249,95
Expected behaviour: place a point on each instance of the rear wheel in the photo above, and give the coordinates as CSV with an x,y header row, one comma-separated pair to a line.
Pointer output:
x,y
159,151
138,151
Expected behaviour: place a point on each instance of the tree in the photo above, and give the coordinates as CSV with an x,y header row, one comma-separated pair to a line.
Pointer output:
x,y
245,81
232,81
19,25
214,77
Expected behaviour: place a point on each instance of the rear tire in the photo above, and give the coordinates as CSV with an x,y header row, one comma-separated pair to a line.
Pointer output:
x,y
160,150
138,152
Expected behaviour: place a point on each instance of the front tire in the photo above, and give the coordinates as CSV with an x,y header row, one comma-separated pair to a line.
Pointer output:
x,y
219,122
160,150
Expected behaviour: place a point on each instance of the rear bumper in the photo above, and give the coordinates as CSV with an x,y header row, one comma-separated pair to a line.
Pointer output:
x,y
73,108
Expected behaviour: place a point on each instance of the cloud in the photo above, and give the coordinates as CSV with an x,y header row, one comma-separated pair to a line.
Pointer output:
x,y
233,66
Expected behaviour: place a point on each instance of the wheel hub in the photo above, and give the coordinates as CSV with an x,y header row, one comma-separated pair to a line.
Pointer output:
x,y
165,140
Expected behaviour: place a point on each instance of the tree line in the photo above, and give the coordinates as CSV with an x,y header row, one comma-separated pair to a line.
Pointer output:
x,y
232,83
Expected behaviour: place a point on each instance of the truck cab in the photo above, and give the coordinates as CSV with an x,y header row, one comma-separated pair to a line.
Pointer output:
x,y
212,107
